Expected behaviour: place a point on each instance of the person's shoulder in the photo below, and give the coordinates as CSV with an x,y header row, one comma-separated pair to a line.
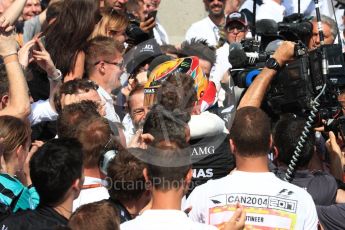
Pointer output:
x,y
294,189
131,224
200,23
17,220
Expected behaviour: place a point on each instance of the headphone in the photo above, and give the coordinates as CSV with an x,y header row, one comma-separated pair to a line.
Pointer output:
x,y
106,156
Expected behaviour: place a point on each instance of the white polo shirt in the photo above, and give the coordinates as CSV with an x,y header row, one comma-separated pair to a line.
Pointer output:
x,y
204,29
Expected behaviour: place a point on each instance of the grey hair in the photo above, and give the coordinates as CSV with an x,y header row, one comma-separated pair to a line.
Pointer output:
x,y
331,23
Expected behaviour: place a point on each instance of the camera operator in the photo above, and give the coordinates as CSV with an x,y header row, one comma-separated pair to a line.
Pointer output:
x,y
329,28
236,29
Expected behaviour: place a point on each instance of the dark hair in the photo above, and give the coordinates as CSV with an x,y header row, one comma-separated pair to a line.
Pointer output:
x,y
53,10
177,92
166,125
168,166
67,35
126,174
170,49
4,86
199,48
251,132
101,48
73,87
286,136
94,135
100,215
54,168
73,115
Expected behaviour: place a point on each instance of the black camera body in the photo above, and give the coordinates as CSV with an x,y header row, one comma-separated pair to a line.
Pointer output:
x,y
134,33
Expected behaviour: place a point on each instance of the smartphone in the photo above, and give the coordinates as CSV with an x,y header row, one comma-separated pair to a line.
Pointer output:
x,y
152,14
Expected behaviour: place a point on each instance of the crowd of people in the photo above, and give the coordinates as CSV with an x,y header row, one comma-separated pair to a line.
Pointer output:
x,y
106,125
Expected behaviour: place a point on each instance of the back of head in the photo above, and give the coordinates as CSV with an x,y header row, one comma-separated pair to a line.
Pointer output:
x,y
73,115
125,172
101,48
73,87
165,125
95,135
286,135
100,215
177,92
168,166
54,168
53,10
251,132
14,132
199,48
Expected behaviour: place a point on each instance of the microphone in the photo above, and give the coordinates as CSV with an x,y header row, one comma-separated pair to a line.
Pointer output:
x,y
266,27
237,56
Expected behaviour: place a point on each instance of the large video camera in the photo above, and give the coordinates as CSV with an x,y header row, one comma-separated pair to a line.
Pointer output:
x,y
300,81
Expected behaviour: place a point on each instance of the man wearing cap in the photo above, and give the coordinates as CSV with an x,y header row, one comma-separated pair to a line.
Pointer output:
x,y
236,29
209,27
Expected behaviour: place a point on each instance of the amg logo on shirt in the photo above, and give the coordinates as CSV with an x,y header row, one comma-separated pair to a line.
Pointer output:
x,y
201,151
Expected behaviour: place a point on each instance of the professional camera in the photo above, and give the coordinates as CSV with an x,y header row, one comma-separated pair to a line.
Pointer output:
x,y
300,81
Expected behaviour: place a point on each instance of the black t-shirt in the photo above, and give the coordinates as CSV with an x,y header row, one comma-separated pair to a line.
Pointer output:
x,y
320,185
41,218
211,158
332,217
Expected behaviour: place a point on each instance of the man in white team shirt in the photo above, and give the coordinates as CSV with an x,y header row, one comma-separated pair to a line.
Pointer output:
x,y
269,202
209,27
169,173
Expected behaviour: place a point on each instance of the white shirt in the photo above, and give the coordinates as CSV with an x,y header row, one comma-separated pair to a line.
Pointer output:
x,y
270,10
42,111
160,34
109,105
129,128
211,125
269,202
204,29
163,219
89,195
221,66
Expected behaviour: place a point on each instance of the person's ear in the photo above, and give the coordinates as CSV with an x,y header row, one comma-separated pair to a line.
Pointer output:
x,y
4,101
18,150
189,176
145,174
77,186
232,146
275,153
101,68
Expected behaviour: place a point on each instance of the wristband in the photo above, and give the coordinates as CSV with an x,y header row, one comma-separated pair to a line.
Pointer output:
x,y
10,58
58,76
